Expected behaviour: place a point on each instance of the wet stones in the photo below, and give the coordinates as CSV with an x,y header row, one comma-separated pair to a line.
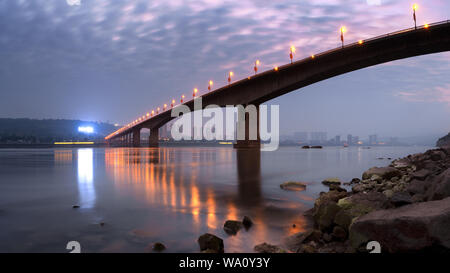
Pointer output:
x,y
211,243
267,248
232,227
331,181
158,247
247,222
293,186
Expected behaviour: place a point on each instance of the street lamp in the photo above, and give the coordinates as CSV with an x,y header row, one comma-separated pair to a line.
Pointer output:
x,y
173,102
195,92
153,112
229,76
256,66
415,7
210,85
182,98
343,30
291,54
157,110
164,107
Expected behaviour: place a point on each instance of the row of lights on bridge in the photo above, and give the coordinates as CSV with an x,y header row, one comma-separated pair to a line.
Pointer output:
x,y
292,50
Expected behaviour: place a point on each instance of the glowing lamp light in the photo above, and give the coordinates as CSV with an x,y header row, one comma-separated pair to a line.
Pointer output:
x,y
360,42
426,26
165,106
157,110
210,85
148,114
292,52
313,56
195,92
153,112
343,30
275,68
173,102
415,7
182,98
86,129
256,66
230,74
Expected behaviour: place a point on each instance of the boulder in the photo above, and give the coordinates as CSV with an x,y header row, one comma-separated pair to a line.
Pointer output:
x,y
444,141
440,186
232,227
401,198
408,228
324,215
337,188
247,222
339,233
401,164
383,172
421,175
331,181
417,186
267,248
333,196
211,242
158,247
293,186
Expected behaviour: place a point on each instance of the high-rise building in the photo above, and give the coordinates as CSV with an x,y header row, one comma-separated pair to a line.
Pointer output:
x,y
318,137
301,137
337,140
349,139
373,139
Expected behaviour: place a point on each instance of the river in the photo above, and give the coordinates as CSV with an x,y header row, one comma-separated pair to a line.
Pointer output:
x,y
130,198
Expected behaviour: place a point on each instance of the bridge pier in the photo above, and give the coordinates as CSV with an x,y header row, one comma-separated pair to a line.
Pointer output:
x,y
153,140
137,137
250,130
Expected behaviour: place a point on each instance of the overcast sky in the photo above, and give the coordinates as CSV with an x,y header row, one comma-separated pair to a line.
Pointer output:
x,y
115,60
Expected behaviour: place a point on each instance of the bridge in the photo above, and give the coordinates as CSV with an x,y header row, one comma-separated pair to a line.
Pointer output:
x,y
257,89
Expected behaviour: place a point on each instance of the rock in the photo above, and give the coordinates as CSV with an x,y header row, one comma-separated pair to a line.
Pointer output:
x,y
232,227
401,198
418,198
339,233
355,181
158,247
327,237
293,186
437,155
383,172
324,215
444,141
331,181
267,248
293,241
305,147
408,228
376,178
337,188
247,222
75,206
421,175
417,186
333,196
367,201
211,242
401,164
306,248
440,186
388,193
359,188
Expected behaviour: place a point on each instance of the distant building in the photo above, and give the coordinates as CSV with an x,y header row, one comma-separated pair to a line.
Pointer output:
x,y
373,139
318,137
301,137
349,139
337,140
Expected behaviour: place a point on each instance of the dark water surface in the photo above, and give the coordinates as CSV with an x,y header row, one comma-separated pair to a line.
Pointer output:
x,y
168,195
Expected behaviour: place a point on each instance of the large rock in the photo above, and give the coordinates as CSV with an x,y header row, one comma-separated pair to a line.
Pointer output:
x,y
444,141
409,228
440,186
293,186
267,248
324,215
331,181
383,172
232,227
210,242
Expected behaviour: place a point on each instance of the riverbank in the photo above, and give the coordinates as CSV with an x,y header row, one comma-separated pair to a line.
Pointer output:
x,y
404,207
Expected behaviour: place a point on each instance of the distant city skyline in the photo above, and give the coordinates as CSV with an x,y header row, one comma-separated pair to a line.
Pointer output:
x,y
115,60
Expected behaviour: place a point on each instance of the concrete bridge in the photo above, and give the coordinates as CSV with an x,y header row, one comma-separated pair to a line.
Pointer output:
x,y
427,39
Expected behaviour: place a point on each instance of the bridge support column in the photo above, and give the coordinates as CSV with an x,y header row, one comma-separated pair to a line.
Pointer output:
x,y
137,137
247,142
153,140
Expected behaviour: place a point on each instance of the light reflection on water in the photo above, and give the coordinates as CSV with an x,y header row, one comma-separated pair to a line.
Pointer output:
x,y
170,195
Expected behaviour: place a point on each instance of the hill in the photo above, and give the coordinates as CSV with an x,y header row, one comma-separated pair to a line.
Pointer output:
x,y
444,141
24,130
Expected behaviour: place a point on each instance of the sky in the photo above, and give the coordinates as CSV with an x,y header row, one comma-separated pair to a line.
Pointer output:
x,y
114,60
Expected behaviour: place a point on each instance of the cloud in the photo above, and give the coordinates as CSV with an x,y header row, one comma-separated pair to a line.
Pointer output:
x,y
439,94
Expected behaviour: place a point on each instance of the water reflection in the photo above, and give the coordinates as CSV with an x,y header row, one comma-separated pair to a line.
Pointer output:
x,y
85,161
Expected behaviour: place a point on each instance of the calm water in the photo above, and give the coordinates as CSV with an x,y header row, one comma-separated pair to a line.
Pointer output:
x,y
168,195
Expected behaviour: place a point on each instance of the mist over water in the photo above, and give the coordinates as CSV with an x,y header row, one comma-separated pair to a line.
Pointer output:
x,y
168,195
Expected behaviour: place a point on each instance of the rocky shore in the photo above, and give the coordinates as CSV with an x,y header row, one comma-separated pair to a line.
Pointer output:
x,y
404,207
